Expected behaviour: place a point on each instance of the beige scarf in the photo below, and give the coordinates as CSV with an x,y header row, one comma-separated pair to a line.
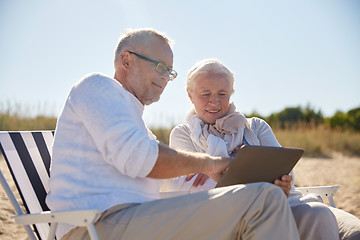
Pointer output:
x,y
222,137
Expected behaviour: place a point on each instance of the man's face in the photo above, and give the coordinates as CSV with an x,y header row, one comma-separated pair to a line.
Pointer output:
x,y
144,81
210,96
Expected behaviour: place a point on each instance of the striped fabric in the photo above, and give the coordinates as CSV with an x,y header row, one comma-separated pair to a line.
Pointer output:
x,y
27,155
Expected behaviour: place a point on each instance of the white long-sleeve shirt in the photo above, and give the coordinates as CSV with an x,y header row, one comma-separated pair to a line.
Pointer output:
x,y
102,149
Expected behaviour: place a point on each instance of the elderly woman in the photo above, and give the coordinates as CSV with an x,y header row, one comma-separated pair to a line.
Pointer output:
x,y
215,127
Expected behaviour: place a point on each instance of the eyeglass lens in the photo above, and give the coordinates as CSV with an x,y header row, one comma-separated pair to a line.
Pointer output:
x,y
162,69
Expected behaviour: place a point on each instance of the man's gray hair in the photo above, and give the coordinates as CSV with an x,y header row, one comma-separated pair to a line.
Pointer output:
x,y
134,37
212,66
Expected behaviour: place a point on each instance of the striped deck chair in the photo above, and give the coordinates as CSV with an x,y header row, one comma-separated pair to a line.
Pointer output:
x,y
27,155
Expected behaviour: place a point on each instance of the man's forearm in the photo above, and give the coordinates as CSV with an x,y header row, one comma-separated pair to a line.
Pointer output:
x,y
172,163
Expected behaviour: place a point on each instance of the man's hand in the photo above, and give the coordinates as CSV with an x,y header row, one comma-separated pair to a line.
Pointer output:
x,y
284,183
218,167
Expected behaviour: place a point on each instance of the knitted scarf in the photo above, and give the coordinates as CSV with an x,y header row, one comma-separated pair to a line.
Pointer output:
x,y
224,136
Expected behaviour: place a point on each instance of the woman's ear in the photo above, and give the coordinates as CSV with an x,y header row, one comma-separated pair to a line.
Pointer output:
x,y
189,94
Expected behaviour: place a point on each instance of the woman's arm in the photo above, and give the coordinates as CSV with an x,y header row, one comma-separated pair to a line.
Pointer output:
x,y
180,139
264,132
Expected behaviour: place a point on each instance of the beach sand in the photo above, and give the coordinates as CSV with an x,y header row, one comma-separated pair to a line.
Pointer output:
x,y
336,170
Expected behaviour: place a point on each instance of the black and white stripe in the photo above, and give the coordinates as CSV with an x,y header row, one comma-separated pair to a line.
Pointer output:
x,y
28,156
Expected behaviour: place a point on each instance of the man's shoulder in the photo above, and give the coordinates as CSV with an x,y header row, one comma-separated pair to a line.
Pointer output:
x,y
94,78
96,82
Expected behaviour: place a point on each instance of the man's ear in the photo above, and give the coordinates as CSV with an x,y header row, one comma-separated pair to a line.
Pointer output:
x,y
126,61
189,94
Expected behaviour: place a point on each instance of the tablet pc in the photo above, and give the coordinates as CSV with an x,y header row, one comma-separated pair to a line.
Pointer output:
x,y
260,164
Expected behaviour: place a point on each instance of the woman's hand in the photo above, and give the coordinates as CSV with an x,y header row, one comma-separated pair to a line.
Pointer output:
x,y
284,183
200,179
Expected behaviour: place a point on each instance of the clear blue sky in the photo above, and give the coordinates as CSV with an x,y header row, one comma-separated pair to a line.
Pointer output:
x,y
283,53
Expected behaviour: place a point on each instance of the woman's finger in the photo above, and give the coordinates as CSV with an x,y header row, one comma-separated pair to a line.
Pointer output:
x,y
189,177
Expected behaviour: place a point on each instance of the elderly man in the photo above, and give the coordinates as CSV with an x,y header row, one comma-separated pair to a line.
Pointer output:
x,y
105,158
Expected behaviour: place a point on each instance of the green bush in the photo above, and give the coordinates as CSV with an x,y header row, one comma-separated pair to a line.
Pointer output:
x,y
292,116
349,120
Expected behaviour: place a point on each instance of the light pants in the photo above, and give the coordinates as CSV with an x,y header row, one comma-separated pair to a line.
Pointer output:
x,y
315,221
251,211
349,225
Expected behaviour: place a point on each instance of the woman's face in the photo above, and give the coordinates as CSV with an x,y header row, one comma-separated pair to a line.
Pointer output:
x,y
210,96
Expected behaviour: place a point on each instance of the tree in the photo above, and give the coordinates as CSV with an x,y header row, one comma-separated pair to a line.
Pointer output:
x,y
354,119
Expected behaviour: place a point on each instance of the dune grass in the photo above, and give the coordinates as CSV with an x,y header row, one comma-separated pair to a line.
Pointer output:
x,y
320,141
15,122
317,141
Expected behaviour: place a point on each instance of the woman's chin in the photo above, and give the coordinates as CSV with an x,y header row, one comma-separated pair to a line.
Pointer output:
x,y
209,120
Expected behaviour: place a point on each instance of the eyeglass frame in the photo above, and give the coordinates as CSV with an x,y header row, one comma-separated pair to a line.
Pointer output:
x,y
172,73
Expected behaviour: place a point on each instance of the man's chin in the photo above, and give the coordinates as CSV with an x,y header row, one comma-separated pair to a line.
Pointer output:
x,y
152,100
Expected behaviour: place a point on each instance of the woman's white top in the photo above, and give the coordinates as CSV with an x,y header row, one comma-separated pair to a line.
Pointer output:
x,y
195,136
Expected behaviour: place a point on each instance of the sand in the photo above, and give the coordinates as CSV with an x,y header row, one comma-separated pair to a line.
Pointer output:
x,y
336,170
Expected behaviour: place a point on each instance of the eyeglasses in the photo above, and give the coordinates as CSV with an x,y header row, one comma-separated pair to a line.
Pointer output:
x,y
160,67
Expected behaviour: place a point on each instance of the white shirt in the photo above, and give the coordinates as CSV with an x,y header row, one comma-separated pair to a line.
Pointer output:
x,y
102,149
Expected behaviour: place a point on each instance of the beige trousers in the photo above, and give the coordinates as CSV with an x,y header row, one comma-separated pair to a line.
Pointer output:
x,y
252,211
349,225
315,221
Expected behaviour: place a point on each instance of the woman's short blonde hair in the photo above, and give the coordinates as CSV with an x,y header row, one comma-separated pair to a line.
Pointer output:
x,y
209,65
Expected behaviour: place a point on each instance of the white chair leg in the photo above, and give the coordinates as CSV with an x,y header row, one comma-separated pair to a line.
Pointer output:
x,y
16,206
331,201
92,232
52,232
30,232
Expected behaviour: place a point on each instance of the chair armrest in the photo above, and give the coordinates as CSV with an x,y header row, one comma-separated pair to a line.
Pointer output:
x,y
78,218
323,191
